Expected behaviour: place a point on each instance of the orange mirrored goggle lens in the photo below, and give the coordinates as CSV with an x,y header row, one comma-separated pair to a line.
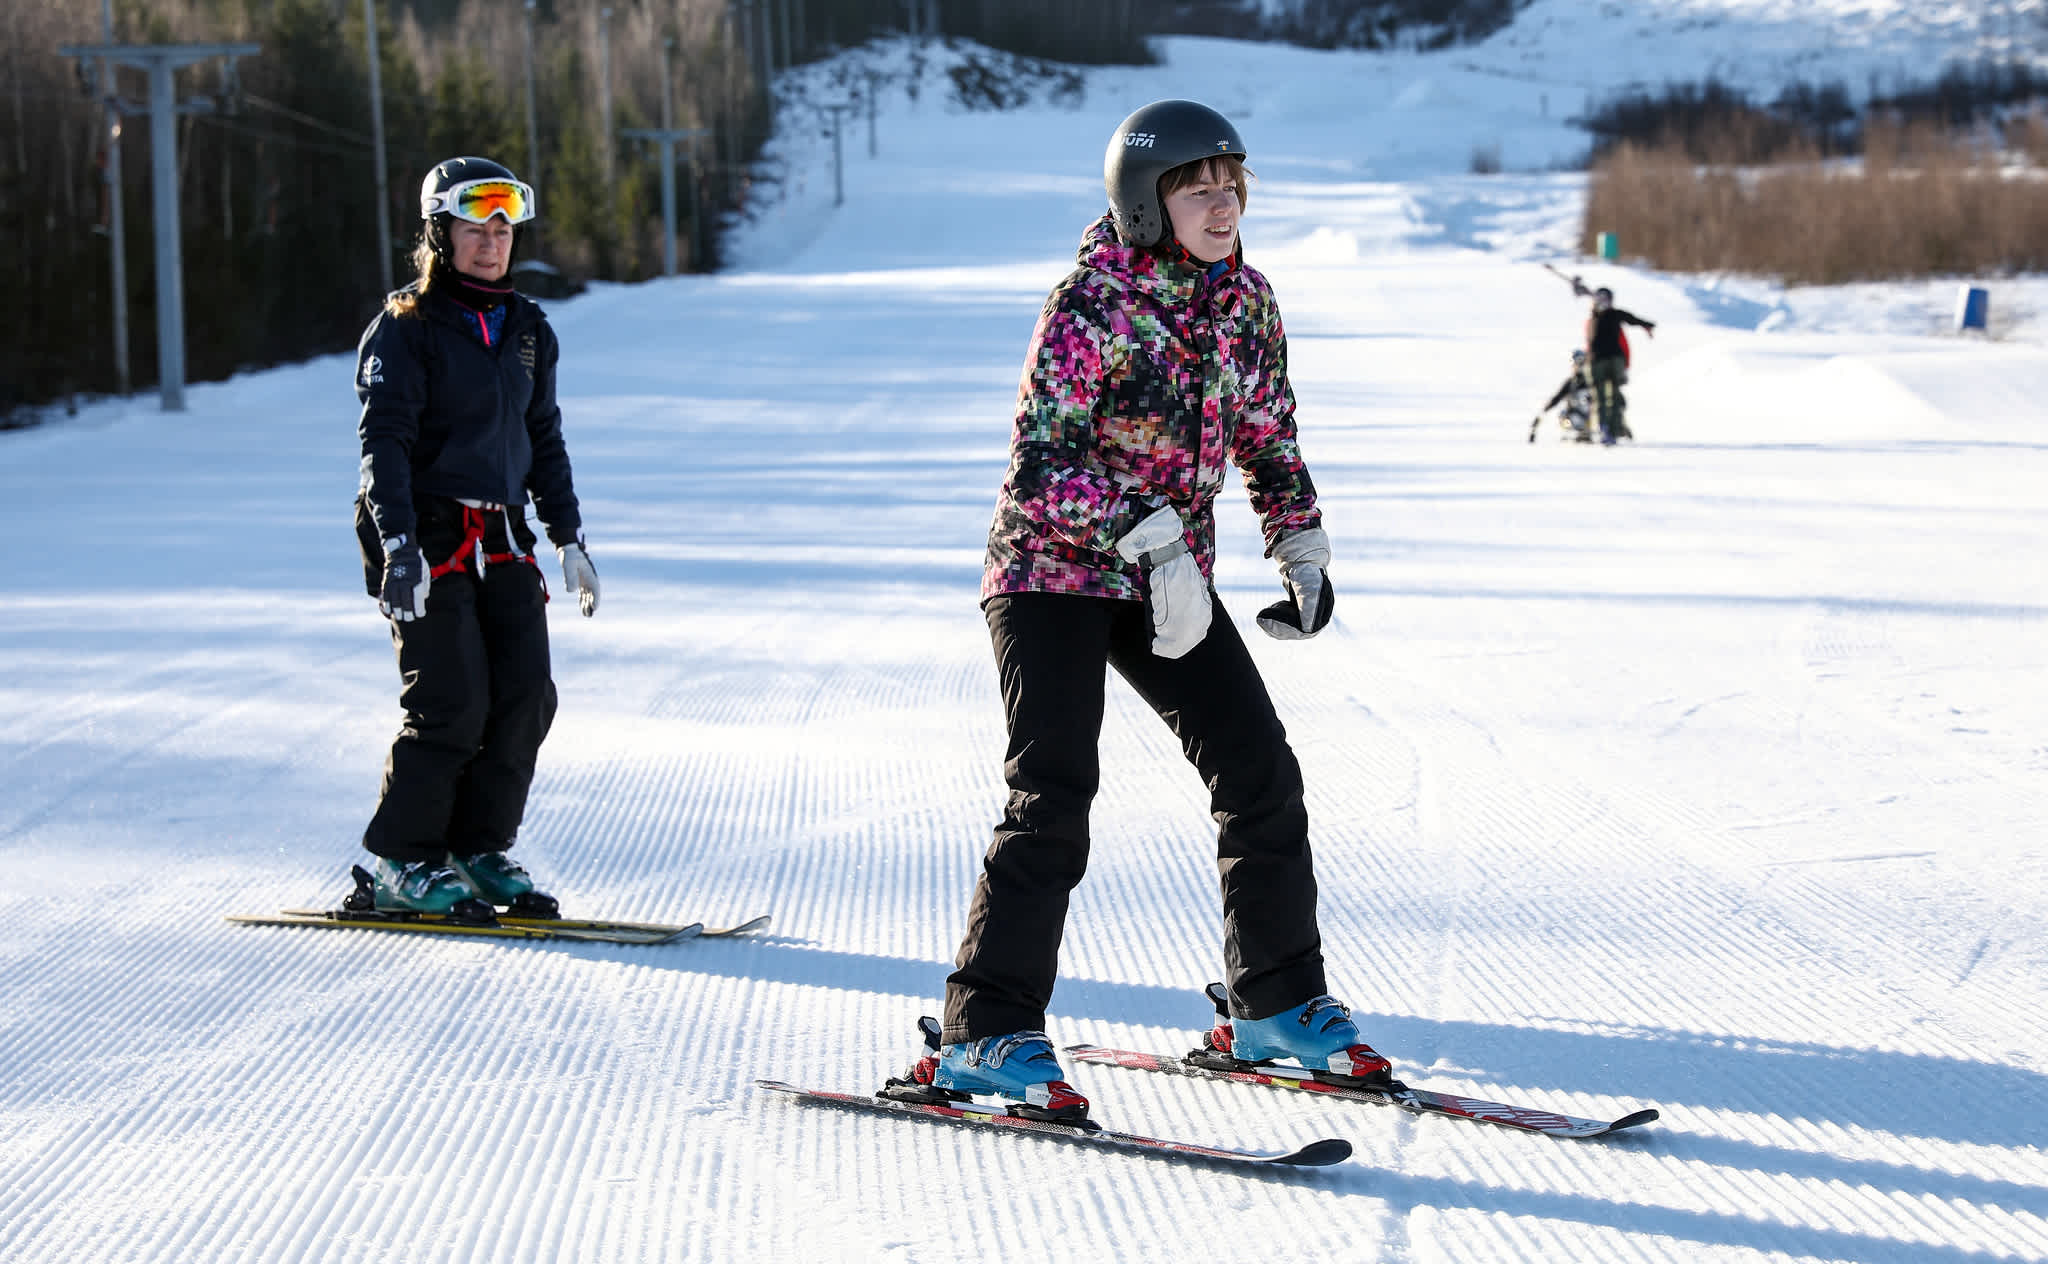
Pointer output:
x,y
478,202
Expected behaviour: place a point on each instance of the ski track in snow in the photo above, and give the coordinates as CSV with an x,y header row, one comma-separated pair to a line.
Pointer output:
x,y
1704,773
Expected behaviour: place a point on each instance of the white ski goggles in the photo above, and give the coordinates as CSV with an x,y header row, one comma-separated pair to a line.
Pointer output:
x,y
478,200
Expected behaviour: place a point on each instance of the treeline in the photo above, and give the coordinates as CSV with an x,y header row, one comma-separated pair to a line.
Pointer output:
x,y
1716,122
1423,24
276,166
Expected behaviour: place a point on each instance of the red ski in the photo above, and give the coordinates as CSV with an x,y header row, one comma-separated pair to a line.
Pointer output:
x,y
1415,1100
1314,1154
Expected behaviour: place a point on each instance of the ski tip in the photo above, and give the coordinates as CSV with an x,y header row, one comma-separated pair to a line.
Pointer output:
x,y
1324,1153
1647,1115
288,917
744,928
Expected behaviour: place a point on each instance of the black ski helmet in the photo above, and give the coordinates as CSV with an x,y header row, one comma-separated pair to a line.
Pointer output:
x,y
1153,141
445,176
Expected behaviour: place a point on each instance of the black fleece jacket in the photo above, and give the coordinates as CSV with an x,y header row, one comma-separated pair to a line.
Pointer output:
x,y
449,410
1603,331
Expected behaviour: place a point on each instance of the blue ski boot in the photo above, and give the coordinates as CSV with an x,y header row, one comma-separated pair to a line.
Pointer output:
x,y
1318,1033
1020,1067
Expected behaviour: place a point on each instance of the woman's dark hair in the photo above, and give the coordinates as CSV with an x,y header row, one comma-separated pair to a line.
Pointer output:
x,y
427,264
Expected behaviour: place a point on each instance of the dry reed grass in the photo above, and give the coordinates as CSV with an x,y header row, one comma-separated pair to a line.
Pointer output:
x,y
1921,202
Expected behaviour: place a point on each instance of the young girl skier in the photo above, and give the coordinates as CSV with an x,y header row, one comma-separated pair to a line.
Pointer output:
x,y
1154,363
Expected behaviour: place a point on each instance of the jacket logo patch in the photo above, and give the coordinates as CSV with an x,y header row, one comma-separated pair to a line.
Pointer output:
x,y
526,354
373,371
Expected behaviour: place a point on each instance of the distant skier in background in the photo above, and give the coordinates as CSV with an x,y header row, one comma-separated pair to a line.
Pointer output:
x,y
459,429
1576,394
1607,360
1156,363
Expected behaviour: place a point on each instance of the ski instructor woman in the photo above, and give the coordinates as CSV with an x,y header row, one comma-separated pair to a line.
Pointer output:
x,y
1155,363
459,430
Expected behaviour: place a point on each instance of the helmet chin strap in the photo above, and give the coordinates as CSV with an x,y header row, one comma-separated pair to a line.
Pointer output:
x,y
442,240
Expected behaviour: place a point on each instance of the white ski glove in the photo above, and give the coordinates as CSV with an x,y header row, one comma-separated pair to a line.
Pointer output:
x,y
1176,595
578,575
1304,561
406,581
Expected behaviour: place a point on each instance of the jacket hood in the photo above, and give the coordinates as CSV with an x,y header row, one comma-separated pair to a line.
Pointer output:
x,y
1170,280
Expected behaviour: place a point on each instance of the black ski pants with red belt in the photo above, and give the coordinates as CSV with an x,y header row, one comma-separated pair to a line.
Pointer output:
x,y
478,701
1052,651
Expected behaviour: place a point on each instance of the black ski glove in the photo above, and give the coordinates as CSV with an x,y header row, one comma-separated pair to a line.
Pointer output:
x,y
406,581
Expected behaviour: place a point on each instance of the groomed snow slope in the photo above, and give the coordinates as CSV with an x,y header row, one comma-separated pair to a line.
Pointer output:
x,y
1706,773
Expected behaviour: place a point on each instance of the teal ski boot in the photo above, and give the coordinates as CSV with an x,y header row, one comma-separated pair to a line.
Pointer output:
x,y
424,886
498,879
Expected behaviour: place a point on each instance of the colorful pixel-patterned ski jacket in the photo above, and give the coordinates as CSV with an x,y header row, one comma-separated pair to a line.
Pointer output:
x,y
1143,378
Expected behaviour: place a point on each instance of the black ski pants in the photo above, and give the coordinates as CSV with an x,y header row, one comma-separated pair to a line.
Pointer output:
x,y
1051,653
478,702
1606,376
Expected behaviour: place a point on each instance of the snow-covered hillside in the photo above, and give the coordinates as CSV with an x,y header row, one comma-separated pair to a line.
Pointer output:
x,y
1763,44
1706,773
1751,43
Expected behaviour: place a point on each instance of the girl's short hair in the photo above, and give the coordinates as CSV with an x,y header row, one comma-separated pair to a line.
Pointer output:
x,y
1223,167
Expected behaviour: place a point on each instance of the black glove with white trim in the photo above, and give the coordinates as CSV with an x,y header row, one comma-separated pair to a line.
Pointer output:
x,y
406,581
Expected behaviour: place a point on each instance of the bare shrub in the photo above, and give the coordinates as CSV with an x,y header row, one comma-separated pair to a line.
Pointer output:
x,y
2026,135
1965,93
1710,120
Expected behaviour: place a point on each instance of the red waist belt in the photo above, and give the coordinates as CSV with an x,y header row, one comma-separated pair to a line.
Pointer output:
x,y
469,554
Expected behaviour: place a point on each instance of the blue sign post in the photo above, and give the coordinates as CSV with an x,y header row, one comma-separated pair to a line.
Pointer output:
x,y
1973,308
